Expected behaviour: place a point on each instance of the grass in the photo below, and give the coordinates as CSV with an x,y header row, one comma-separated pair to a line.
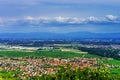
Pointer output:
x,y
115,71
74,51
44,53
112,62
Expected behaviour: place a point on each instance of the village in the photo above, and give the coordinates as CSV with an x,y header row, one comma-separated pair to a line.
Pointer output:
x,y
37,67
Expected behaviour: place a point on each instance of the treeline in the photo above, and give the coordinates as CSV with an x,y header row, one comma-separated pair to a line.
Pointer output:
x,y
110,53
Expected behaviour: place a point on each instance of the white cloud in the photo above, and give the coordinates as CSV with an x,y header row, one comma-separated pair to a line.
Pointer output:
x,y
58,21
111,17
29,18
73,20
61,19
92,18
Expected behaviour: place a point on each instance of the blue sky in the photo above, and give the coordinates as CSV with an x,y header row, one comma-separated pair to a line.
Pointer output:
x,y
60,16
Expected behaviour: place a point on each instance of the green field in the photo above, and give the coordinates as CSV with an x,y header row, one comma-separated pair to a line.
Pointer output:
x,y
44,53
115,71
112,62
73,50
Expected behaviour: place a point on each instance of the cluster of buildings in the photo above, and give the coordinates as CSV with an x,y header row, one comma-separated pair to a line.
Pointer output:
x,y
3,47
37,67
112,46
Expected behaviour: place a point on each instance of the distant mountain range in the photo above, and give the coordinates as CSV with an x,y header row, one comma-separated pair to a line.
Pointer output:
x,y
47,35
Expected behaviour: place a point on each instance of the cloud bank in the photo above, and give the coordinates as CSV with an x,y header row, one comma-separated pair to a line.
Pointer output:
x,y
29,20
60,24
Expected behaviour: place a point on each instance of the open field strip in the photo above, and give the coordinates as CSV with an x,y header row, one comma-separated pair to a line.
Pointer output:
x,y
44,53
73,50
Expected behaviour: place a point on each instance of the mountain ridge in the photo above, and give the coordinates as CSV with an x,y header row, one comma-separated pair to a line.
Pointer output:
x,y
50,35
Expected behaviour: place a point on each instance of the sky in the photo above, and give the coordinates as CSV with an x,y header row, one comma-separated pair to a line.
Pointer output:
x,y
59,16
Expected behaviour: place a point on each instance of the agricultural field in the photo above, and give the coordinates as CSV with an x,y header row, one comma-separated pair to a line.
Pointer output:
x,y
115,63
45,53
73,50
112,62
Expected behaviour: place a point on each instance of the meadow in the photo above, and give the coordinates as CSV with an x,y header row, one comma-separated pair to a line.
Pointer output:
x,y
114,70
44,53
